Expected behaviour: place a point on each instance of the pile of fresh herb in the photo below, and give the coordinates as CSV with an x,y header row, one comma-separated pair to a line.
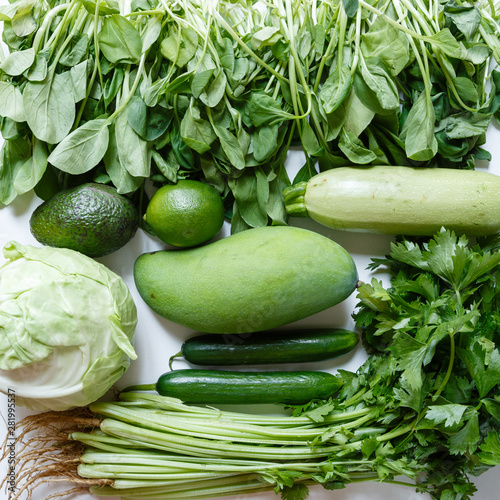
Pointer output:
x,y
434,334
127,91
424,409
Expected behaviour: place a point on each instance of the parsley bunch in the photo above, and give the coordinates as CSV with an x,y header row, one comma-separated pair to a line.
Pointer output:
x,y
435,364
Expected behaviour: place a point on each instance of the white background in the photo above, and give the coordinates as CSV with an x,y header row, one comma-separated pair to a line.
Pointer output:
x,y
157,339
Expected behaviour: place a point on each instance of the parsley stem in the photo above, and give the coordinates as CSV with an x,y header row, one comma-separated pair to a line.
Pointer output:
x,y
373,477
353,399
396,433
450,366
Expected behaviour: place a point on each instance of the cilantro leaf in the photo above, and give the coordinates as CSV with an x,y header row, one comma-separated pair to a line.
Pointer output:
x,y
318,414
459,389
368,446
480,265
374,295
350,386
412,398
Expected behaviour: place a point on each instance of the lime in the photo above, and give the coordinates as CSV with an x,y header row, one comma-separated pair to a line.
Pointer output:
x,y
185,214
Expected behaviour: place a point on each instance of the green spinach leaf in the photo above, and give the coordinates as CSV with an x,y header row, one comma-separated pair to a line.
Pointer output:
x,y
11,102
418,130
83,148
17,63
119,40
49,108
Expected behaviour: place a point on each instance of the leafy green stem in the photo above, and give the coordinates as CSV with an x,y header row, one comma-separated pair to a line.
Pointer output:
x,y
152,12
83,104
298,67
131,93
61,27
391,21
357,41
95,70
206,23
76,27
245,47
330,48
490,39
342,33
418,17
437,52
293,87
449,371
421,60
40,36
96,44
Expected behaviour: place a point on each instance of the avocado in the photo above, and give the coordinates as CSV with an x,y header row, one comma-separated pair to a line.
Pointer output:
x,y
92,218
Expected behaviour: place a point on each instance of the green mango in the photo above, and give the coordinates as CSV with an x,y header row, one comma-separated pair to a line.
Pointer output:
x,y
254,280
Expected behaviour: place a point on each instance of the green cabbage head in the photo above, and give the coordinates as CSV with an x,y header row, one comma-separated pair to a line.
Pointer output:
x,y
66,327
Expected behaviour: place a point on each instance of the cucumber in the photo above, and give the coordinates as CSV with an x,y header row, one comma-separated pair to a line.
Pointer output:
x,y
270,347
232,387
251,281
400,200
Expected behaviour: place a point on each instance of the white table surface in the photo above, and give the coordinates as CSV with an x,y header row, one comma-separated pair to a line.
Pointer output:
x,y
156,339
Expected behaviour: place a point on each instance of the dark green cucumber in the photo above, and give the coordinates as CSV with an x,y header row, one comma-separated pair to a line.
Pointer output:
x,y
231,387
270,347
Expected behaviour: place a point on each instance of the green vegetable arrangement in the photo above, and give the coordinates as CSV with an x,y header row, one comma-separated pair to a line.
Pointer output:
x,y
124,91
423,410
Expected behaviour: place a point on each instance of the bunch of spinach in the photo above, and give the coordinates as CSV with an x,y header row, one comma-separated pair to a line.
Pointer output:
x,y
127,91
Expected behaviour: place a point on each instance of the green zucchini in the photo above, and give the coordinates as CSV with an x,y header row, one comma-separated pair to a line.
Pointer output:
x,y
232,387
270,347
251,281
400,200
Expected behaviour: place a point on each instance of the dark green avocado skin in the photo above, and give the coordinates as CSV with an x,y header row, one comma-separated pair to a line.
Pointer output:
x,y
92,218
